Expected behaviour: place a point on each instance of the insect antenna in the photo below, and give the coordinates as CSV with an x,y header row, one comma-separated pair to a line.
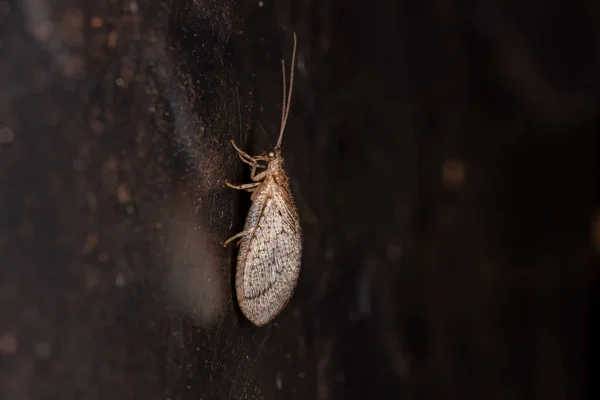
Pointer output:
x,y
287,96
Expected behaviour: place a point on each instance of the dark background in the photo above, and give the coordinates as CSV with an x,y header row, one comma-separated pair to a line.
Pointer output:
x,y
443,158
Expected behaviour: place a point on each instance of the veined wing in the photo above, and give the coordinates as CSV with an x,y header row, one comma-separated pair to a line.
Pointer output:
x,y
269,257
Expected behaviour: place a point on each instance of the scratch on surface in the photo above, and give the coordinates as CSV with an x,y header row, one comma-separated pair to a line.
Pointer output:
x,y
249,367
254,362
323,389
217,333
233,383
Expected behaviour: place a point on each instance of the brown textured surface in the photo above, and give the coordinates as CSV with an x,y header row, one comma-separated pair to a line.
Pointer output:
x,y
443,156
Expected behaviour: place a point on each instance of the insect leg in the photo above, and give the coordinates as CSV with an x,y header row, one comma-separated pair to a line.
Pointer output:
x,y
259,177
245,157
237,236
251,162
244,186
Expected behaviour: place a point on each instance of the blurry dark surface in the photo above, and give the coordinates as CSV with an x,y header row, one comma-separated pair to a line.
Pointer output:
x,y
442,154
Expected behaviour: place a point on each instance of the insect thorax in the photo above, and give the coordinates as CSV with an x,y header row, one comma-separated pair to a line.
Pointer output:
x,y
275,170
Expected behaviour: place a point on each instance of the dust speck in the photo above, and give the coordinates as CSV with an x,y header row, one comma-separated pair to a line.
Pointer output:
x,y
278,381
112,39
96,126
6,135
42,350
43,31
71,65
91,241
120,280
97,22
123,194
453,174
78,164
8,344
92,278
394,252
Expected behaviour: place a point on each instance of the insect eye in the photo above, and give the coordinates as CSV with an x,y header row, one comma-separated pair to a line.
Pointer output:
x,y
271,154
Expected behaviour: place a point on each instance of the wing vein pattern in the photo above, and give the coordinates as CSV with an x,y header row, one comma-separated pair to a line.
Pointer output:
x,y
269,256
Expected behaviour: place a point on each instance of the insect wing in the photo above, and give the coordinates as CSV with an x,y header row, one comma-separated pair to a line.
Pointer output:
x,y
269,257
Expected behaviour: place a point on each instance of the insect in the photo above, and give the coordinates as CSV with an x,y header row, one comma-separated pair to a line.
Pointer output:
x,y
270,246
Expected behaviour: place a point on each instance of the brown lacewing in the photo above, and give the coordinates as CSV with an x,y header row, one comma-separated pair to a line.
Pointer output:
x,y
268,261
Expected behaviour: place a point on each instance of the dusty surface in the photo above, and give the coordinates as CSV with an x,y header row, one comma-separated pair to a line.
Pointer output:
x,y
443,158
